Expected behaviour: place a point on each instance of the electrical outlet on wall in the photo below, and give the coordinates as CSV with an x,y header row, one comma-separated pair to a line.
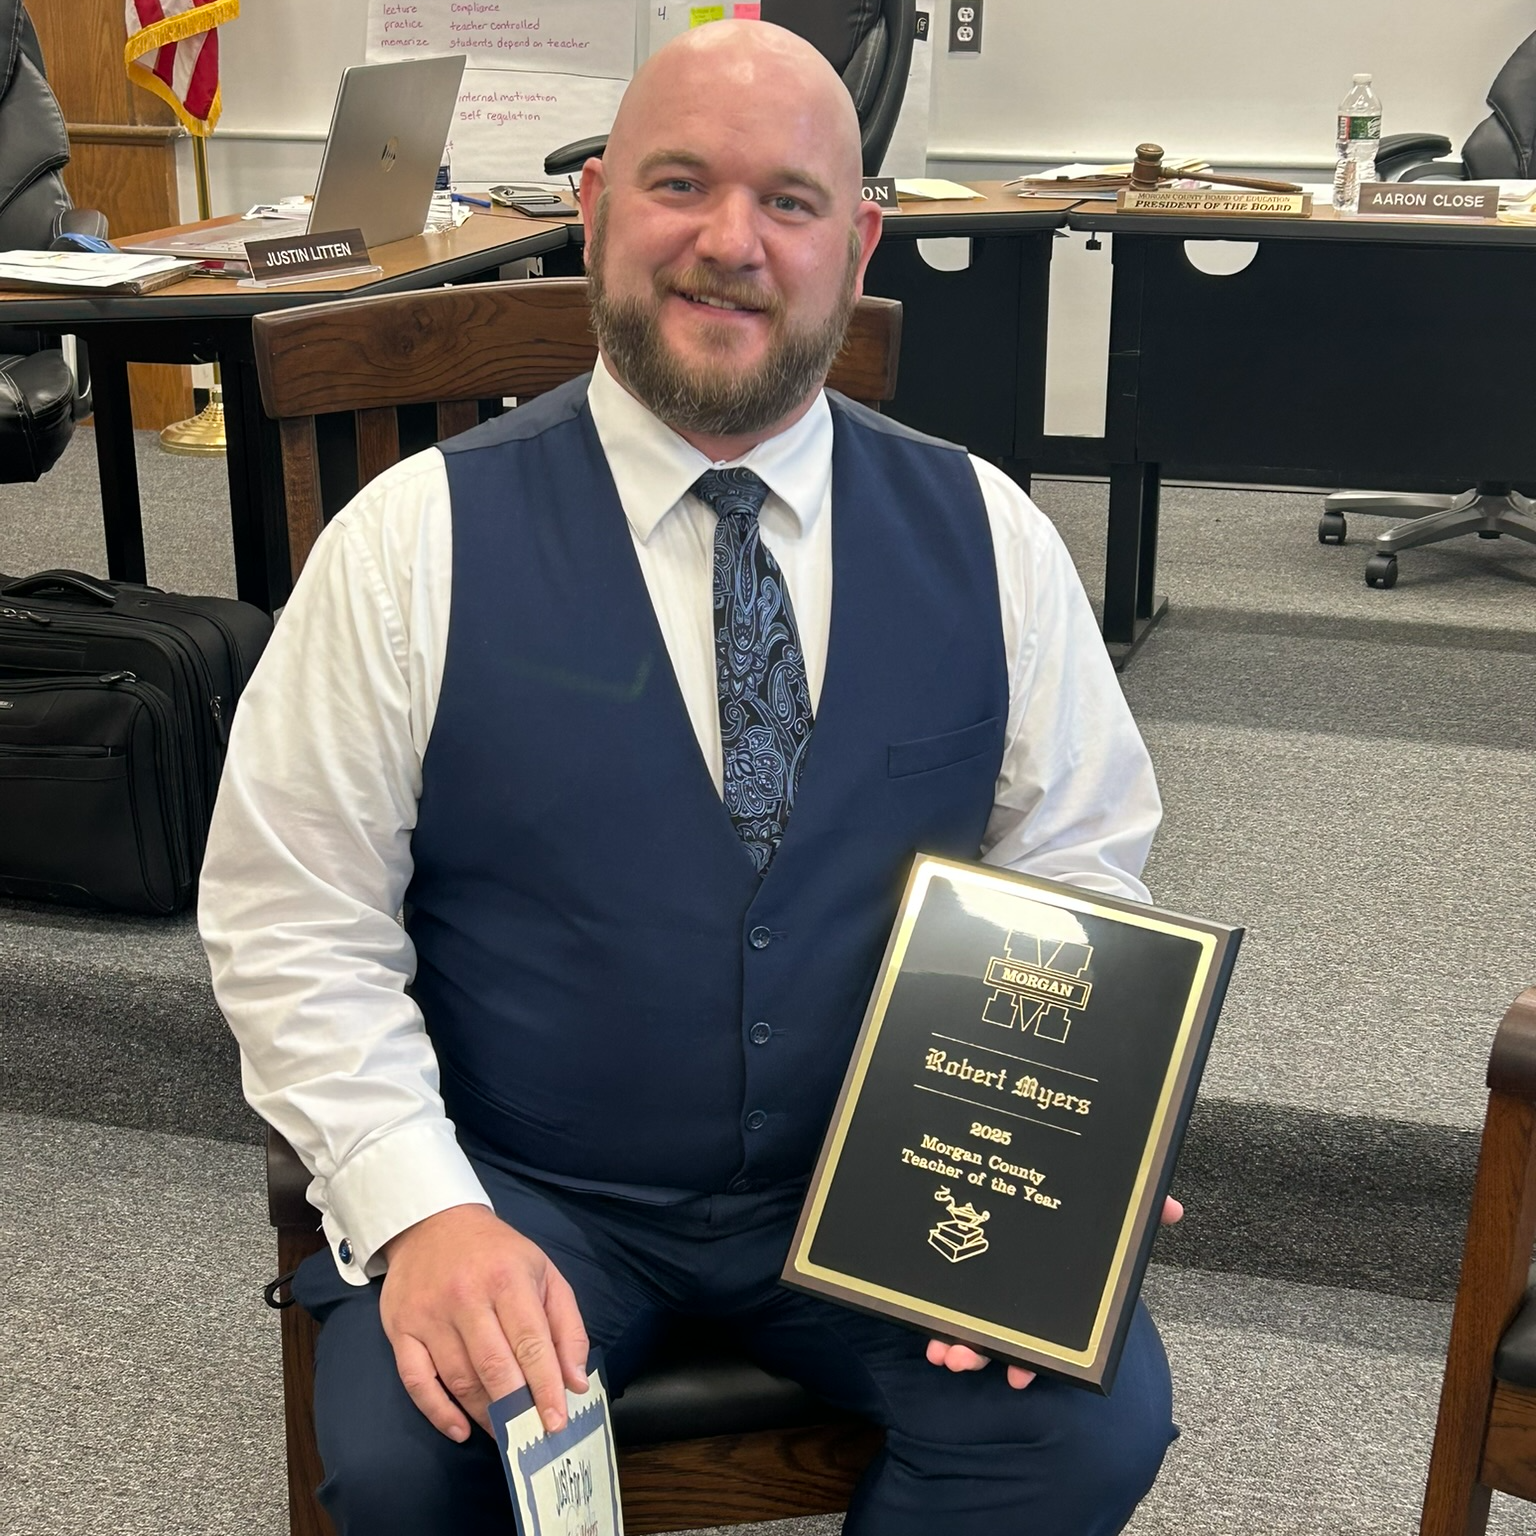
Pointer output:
x,y
965,26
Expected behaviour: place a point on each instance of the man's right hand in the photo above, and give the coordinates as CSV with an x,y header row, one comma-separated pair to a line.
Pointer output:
x,y
475,1310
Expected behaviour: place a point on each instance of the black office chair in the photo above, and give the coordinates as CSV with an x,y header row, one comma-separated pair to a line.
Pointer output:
x,y
1501,147
39,399
868,42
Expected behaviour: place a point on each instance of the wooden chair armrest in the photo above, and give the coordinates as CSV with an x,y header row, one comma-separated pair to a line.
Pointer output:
x,y
1495,1259
287,1183
1512,1061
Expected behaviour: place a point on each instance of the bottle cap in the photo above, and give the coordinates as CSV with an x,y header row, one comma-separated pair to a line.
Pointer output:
x,y
1362,79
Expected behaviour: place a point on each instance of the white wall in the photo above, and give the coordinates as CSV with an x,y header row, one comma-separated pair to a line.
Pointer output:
x,y
1245,83
1236,80
1254,81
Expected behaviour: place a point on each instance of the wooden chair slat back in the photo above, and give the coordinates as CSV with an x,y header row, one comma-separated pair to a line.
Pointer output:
x,y
455,416
480,341
378,442
454,347
301,486
865,370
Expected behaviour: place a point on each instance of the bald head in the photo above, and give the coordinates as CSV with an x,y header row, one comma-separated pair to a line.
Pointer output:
x,y
738,74
726,235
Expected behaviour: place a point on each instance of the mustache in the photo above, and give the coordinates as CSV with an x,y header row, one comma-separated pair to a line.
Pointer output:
x,y
703,283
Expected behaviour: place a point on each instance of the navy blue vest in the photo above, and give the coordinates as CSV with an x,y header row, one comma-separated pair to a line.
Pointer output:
x,y
613,993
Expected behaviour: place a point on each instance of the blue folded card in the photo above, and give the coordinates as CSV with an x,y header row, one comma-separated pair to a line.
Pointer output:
x,y
565,1483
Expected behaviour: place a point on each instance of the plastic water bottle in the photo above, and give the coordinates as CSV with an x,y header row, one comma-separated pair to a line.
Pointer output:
x,y
1359,135
440,211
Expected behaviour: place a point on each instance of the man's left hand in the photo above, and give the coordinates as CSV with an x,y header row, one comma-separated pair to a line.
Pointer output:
x,y
960,1357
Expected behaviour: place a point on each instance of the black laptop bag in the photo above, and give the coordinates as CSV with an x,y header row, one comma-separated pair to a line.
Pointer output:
x,y
115,703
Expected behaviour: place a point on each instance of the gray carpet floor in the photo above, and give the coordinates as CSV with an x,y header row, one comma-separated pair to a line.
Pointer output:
x,y
1347,772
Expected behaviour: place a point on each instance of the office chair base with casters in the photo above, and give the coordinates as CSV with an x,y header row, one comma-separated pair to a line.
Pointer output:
x,y
1491,508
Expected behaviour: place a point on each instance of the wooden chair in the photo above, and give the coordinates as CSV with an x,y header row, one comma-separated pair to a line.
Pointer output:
x,y
1485,1436
462,350
705,1437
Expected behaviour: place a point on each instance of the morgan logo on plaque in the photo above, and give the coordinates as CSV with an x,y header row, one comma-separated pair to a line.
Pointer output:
x,y
1041,978
1028,1061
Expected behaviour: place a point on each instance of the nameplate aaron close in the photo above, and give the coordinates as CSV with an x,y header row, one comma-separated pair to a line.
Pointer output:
x,y
1187,200
996,1165
1429,200
297,256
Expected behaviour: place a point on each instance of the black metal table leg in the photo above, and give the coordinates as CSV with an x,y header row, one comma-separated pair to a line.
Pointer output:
x,y
258,512
116,466
1147,602
1131,606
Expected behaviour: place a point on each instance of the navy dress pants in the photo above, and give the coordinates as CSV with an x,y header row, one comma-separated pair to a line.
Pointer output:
x,y
965,1454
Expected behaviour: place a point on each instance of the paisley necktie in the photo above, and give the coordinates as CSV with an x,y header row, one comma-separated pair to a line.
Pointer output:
x,y
764,698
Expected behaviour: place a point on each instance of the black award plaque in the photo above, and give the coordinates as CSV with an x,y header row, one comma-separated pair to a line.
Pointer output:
x,y
997,1161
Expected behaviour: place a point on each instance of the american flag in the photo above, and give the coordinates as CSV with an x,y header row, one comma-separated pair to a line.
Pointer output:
x,y
173,50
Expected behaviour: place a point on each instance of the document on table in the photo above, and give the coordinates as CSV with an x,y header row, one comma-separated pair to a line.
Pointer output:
x,y
931,189
1059,180
90,271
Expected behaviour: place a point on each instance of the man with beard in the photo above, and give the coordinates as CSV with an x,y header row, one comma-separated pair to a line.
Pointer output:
x,y
639,701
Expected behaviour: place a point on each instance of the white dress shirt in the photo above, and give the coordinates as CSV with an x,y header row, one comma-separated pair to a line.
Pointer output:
x,y
309,855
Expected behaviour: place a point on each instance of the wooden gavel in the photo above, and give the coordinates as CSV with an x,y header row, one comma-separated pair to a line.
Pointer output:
x,y
1147,174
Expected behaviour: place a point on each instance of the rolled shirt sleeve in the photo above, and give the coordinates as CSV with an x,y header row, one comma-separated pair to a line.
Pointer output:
x,y
1076,797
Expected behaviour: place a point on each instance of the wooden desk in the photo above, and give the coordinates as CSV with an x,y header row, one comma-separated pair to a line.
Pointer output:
x,y
209,320
1389,355
972,364
973,341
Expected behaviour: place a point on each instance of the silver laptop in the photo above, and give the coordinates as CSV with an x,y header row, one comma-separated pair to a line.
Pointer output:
x,y
381,158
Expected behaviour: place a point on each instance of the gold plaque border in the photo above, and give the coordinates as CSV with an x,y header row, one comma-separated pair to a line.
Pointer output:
x,y
1085,1363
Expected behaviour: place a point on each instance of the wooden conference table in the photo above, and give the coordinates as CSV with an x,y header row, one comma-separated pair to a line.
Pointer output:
x,y
973,341
209,320
972,365
1383,355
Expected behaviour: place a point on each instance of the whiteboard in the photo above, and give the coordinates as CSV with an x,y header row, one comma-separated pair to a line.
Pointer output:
x,y
577,37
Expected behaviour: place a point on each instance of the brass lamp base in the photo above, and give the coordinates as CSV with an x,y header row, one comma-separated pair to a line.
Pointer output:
x,y
201,435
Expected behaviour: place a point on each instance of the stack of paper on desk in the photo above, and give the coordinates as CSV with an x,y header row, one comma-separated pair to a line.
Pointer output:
x,y
930,189
90,271
1082,181
1517,202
